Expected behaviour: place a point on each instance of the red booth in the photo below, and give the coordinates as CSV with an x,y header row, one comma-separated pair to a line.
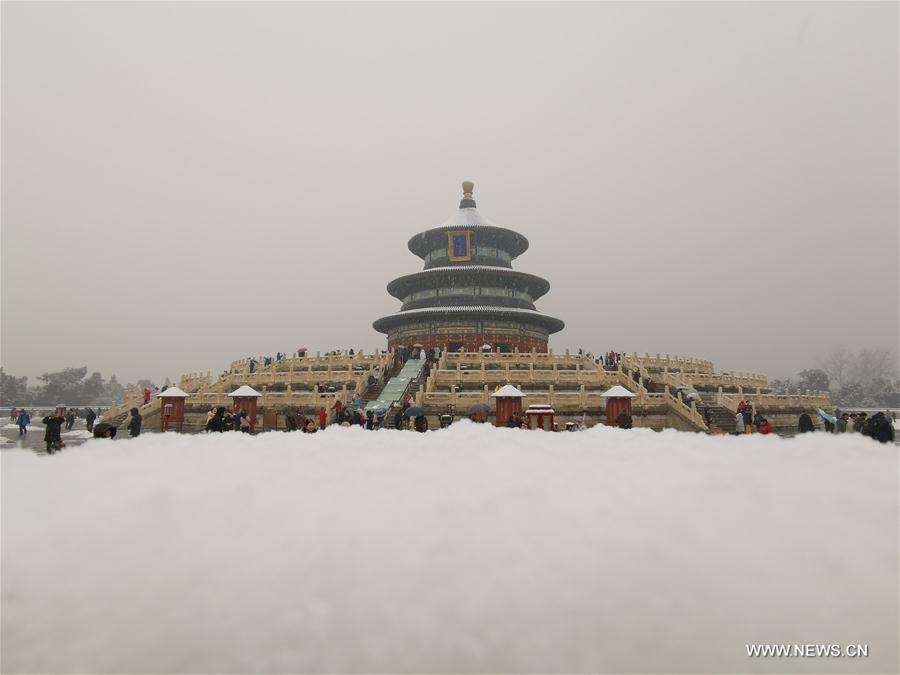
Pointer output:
x,y
618,400
509,401
245,398
171,409
540,417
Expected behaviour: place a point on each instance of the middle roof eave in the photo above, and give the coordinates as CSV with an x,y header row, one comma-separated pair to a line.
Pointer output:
x,y
402,286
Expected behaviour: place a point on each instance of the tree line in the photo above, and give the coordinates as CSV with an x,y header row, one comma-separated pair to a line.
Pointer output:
x,y
867,378
71,386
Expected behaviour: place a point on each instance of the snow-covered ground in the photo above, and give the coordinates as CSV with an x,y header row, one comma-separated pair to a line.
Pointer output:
x,y
31,427
472,549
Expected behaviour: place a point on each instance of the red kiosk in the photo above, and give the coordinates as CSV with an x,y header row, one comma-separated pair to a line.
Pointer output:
x,y
618,400
245,398
540,416
171,409
509,401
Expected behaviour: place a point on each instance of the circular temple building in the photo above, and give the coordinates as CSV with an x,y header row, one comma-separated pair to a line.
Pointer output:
x,y
468,295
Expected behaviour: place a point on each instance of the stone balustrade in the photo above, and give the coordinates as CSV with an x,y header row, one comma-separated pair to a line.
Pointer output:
x,y
191,382
447,378
727,380
767,402
277,399
335,361
664,362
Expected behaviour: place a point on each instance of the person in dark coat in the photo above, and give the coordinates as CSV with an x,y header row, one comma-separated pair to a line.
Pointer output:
x,y
70,419
134,424
52,432
421,424
748,419
89,418
514,421
806,424
883,430
624,421
217,423
104,430
370,420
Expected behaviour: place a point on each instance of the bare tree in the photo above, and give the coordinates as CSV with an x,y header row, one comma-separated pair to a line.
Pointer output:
x,y
867,378
837,364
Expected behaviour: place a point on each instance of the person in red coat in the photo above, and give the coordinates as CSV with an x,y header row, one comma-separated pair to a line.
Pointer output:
x,y
337,407
146,394
323,418
765,427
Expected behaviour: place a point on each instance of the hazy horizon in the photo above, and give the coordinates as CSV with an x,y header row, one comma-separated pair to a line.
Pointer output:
x,y
189,184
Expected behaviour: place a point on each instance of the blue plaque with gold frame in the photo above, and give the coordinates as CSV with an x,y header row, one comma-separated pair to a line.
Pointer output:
x,y
459,247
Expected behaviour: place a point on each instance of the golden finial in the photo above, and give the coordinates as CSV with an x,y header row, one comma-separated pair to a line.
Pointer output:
x,y
468,187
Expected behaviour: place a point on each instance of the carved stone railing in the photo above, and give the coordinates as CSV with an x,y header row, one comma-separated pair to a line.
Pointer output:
x,y
772,402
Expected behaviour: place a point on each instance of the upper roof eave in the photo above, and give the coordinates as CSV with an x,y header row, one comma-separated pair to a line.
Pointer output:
x,y
465,219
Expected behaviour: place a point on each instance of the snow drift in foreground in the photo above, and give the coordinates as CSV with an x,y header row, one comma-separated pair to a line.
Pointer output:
x,y
472,549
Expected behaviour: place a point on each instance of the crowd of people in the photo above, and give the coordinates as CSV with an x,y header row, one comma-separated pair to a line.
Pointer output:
x,y
746,420
879,426
220,419
64,420
22,418
610,359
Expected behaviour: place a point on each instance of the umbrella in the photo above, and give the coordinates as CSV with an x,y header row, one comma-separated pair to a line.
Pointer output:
x,y
825,416
418,345
479,408
485,346
414,411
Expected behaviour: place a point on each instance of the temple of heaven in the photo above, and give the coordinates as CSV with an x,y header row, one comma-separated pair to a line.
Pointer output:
x,y
468,296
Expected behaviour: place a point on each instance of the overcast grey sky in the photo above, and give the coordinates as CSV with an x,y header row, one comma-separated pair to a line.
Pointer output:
x,y
186,184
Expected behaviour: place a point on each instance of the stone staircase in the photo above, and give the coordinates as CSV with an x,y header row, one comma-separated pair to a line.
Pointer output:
x,y
395,387
374,393
721,417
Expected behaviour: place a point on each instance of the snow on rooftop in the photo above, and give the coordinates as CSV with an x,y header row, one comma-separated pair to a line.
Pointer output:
x,y
245,391
508,391
174,392
617,391
473,549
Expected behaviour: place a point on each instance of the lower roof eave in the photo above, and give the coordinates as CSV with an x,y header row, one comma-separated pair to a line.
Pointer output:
x,y
550,323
